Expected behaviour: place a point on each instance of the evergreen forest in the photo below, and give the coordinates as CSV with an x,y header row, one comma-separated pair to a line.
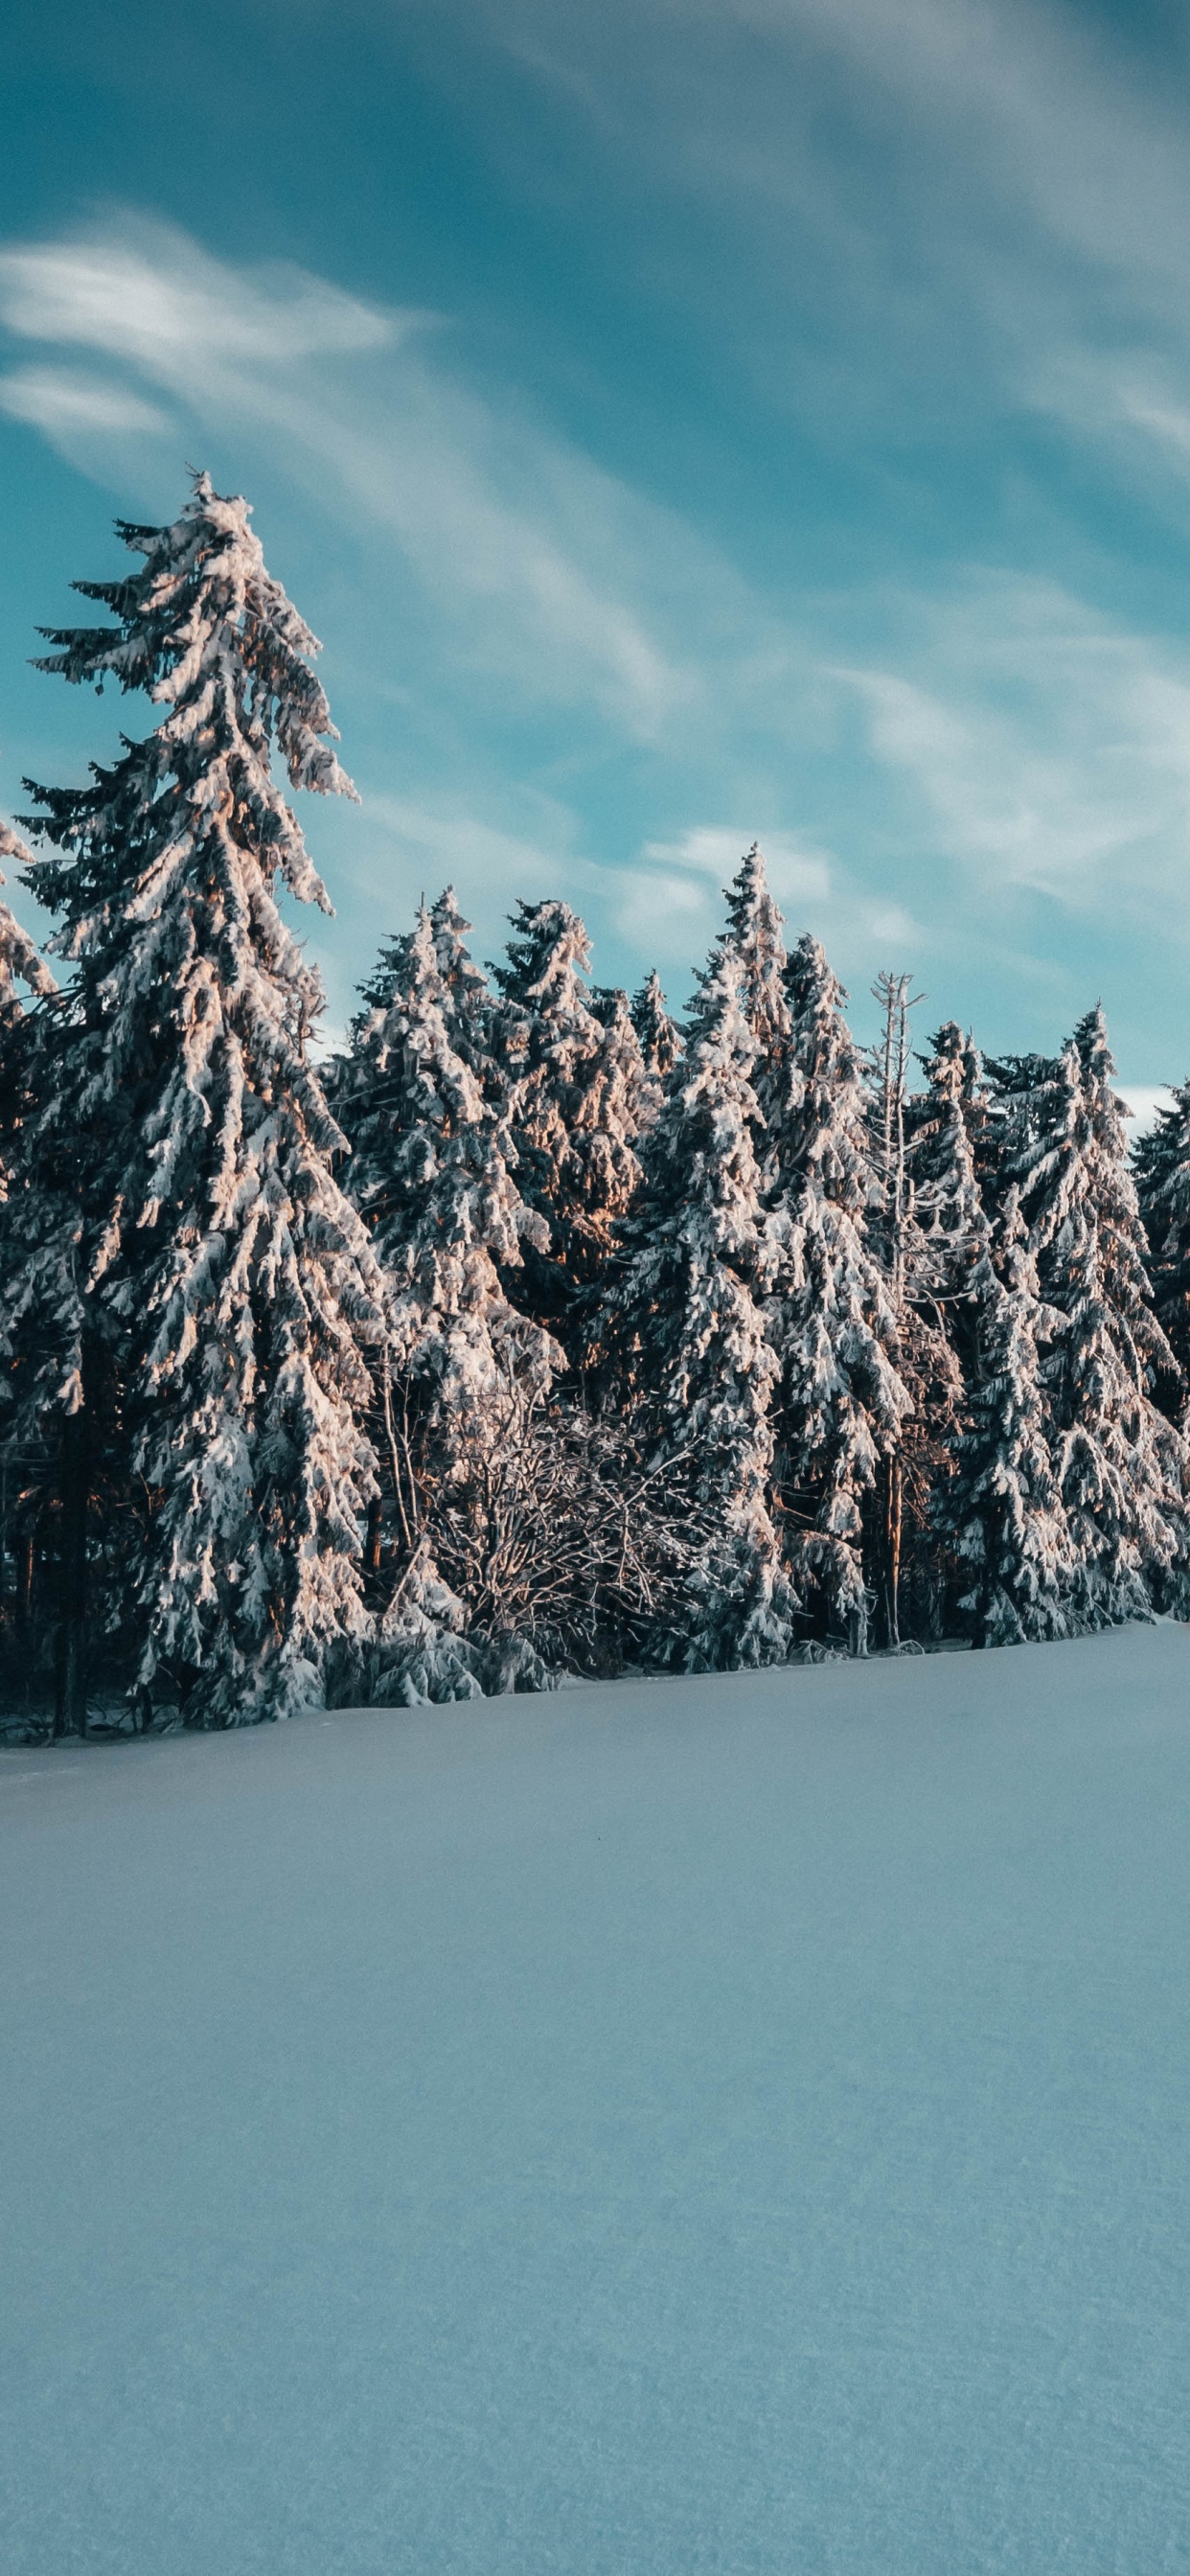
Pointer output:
x,y
537,1332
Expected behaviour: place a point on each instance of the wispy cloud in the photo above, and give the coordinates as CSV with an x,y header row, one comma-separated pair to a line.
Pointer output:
x,y
1143,1100
539,556
916,748
150,294
1042,110
67,406
415,849
668,904
975,184
1050,747
671,899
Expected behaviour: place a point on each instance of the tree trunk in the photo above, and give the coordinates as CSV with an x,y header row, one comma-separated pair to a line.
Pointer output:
x,y
70,1706
893,1515
24,1557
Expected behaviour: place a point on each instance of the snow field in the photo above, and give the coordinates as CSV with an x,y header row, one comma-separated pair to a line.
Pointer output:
x,y
735,2124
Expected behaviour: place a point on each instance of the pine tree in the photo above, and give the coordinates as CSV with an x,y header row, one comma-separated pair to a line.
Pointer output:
x,y
576,1087
21,1478
423,1655
213,1275
1162,1162
926,1362
946,1248
1017,1084
975,1102
19,963
691,1324
1121,1466
1002,1515
951,1226
754,937
433,1174
660,1038
603,1171
841,1399
50,1456
470,999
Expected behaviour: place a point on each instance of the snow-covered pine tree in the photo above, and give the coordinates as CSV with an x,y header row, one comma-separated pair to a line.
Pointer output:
x,y
217,1275
1001,1515
925,1359
1162,1160
603,1171
754,936
432,1172
470,999
19,1478
505,1479
576,1085
1015,1084
946,1247
974,1100
19,961
841,1400
691,1327
49,1459
1121,1466
660,1039
951,1225
19,964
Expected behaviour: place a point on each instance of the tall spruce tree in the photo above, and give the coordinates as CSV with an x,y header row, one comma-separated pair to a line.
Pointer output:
x,y
946,1246
691,1325
1002,1516
604,1168
432,1172
1163,1184
211,1284
1121,1466
951,1225
19,961
659,1035
974,1099
21,1476
19,964
840,1397
576,1083
463,1373
926,1360
466,983
55,1452
754,937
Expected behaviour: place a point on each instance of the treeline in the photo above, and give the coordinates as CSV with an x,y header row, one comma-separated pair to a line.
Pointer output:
x,y
535,1333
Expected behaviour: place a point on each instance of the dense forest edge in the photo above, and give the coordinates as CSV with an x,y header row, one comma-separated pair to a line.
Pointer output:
x,y
536,1333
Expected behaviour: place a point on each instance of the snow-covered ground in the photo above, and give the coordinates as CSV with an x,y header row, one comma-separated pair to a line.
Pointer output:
x,y
733,2125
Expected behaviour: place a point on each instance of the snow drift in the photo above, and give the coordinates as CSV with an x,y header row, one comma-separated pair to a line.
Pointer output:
x,y
722,2124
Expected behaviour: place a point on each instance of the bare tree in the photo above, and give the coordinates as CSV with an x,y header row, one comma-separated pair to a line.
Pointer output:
x,y
568,1539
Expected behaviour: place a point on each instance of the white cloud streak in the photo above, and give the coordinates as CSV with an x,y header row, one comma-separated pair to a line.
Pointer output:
x,y
985,182
1050,748
67,406
418,849
1142,1101
535,551
669,903
1033,744
151,295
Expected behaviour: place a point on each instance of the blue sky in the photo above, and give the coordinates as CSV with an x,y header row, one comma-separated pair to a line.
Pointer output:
x,y
682,423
